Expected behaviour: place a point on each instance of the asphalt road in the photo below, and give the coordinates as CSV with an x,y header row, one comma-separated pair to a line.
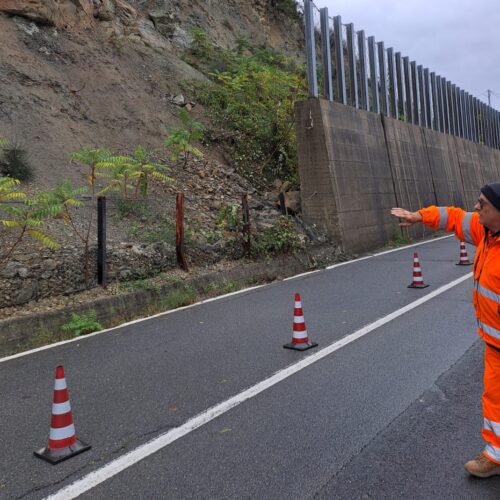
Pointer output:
x,y
393,414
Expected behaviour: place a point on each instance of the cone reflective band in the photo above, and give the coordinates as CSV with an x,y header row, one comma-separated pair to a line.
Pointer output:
x,y
63,442
300,340
464,259
418,279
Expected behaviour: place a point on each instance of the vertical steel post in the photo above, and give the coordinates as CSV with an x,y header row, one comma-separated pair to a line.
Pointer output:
x,y
373,75
439,89
455,109
460,113
179,231
353,74
477,119
416,94
408,89
101,240
446,106
435,103
363,71
465,104
312,76
383,78
421,90
401,111
427,99
339,59
472,118
393,97
326,56
451,113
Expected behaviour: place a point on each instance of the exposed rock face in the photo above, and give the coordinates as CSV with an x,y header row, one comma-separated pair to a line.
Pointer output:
x,y
58,13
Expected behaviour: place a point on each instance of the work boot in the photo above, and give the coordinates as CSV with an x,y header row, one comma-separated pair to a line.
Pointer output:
x,y
482,466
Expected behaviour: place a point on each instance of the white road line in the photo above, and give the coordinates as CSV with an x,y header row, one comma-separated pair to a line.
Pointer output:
x,y
116,466
147,318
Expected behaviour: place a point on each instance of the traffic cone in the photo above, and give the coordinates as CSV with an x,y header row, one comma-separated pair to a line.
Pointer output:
x,y
418,279
300,340
63,442
464,259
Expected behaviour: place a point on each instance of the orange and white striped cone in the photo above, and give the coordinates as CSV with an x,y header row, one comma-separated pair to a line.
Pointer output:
x,y
63,442
418,279
464,258
300,340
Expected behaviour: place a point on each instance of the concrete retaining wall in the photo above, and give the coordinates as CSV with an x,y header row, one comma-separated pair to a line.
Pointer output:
x,y
355,165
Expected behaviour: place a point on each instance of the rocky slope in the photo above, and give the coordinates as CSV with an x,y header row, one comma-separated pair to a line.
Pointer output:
x,y
102,72
106,73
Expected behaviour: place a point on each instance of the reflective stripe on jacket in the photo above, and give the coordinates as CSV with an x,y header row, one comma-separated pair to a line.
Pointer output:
x,y
486,294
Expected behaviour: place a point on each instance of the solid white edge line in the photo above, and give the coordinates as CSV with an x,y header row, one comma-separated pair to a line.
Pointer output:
x,y
118,465
138,320
385,252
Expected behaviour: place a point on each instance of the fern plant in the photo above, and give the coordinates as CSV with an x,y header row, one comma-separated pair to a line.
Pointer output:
x,y
179,142
132,172
28,218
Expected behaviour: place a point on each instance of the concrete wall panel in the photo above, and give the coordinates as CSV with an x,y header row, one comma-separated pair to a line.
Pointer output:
x,y
355,165
445,168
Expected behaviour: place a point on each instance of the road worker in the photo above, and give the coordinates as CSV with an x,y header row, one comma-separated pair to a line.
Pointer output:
x,y
481,229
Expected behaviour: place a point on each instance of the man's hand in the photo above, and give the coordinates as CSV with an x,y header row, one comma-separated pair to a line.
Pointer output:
x,y
409,218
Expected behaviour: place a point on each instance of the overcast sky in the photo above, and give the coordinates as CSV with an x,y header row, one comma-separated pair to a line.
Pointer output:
x,y
458,39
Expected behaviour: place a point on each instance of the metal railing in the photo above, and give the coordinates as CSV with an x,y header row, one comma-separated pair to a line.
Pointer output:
x,y
368,76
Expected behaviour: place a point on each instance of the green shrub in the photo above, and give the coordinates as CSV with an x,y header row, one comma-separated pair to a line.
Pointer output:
x,y
81,324
14,163
253,98
280,238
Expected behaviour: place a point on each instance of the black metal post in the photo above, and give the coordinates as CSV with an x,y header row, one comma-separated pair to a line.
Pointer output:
x,y
101,241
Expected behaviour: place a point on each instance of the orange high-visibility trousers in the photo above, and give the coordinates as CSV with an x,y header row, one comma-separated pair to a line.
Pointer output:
x,y
491,403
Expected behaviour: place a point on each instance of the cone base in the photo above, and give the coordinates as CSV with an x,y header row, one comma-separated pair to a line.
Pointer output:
x,y
56,456
464,263
303,346
418,285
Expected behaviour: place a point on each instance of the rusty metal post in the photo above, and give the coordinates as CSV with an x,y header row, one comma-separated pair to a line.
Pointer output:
x,y
246,223
179,231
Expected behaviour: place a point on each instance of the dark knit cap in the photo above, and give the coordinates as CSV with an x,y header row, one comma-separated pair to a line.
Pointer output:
x,y
492,192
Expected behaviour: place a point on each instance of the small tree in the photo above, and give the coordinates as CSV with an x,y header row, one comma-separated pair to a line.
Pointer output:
x,y
133,172
91,158
28,218
179,142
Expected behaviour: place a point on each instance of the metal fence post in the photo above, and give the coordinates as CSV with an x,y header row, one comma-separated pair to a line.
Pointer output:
x,y
451,113
408,89
393,98
353,74
383,78
416,94
312,76
339,59
401,111
373,75
435,103
363,73
326,56
427,99
179,231
421,90
101,241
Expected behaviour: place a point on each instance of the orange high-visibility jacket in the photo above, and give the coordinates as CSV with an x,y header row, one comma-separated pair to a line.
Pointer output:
x,y
486,295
